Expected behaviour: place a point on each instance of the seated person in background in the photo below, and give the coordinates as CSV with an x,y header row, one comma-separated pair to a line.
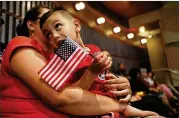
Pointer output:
x,y
155,86
142,95
135,82
158,89
55,24
121,70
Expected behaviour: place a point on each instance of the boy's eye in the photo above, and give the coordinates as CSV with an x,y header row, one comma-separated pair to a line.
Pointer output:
x,y
57,26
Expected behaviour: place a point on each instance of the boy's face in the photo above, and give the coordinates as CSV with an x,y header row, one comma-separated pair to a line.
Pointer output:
x,y
57,27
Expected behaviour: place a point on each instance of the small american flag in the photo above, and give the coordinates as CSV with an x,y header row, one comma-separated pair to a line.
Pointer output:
x,y
62,66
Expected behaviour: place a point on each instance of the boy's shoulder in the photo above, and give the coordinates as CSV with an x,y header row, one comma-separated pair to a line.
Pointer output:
x,y
93,47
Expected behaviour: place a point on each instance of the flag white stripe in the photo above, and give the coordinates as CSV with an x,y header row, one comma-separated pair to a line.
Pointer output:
x,y
60,61
76,62
47,66
70,71
51,67
66,69
62,67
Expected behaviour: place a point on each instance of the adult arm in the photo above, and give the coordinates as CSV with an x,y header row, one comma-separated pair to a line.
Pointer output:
x,y
26,63
120,85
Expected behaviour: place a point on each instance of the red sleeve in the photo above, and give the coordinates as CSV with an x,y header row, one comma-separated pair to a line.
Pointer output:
x,y
17,42
93,48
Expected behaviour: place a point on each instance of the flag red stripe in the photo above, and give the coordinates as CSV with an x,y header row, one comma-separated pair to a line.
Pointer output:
x,y
61,69
55,70
68,69
43,71
70,72
51,79
51,69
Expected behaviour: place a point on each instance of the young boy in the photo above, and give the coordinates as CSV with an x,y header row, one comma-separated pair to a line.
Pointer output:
x,y
55,25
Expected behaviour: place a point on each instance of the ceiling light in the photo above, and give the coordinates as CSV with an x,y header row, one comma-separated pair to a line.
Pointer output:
x,y
117,29
141,29
77,6
101,20
149,36
130,35
144,40
80,6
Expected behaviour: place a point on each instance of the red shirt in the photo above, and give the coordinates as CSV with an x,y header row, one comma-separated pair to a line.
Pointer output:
x,y
17,100
97,85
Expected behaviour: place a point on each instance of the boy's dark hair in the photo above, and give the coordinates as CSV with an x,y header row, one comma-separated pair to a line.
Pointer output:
x,y
49,13
32,15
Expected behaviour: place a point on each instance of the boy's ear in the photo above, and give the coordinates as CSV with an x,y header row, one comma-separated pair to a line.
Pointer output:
x,y
77,25
30,25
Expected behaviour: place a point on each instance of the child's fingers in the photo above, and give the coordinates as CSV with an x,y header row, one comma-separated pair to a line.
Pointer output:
x,y
105,64
108,66
102,60
98,56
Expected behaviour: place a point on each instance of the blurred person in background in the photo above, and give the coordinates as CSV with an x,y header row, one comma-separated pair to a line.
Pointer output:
x,y
121,70
148,87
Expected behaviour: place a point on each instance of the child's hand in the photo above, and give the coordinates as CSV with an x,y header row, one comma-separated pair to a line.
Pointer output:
x,y
101,63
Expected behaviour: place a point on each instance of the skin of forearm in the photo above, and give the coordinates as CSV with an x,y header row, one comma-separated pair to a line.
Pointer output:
x,y
81,102
86,80
132,111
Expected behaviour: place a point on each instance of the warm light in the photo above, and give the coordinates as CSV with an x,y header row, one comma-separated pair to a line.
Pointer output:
x,y
144,40
77,6
149,36
117,29
101,20
130,35
80,6
141,29
141,93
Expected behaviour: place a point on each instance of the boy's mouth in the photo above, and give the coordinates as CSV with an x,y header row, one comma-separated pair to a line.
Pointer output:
x,y
59,42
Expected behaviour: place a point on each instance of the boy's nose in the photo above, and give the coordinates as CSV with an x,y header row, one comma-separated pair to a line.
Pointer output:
x,y
56,36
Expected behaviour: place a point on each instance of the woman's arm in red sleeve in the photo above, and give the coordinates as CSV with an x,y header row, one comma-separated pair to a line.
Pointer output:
x,y
27,62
